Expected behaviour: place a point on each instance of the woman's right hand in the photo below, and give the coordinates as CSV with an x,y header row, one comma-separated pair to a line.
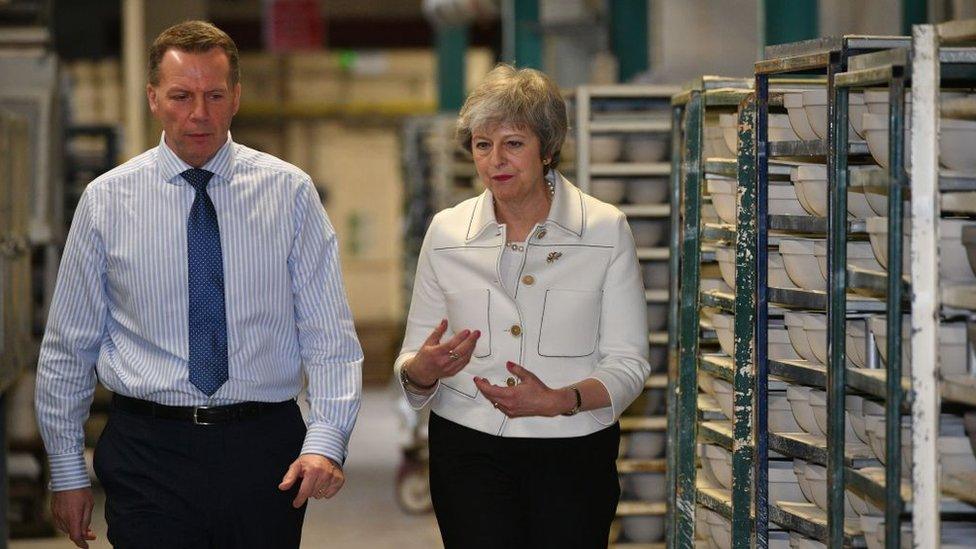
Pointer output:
x,y
435,360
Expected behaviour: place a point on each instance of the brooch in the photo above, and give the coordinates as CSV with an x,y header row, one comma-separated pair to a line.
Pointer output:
x,y
553,256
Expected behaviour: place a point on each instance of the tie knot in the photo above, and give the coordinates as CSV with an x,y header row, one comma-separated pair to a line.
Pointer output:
x,y
197,178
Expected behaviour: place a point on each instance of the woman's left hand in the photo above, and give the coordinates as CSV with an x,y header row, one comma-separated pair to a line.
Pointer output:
x,y
529,397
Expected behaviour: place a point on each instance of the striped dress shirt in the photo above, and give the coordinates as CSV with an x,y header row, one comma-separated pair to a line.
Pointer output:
x,y
119,312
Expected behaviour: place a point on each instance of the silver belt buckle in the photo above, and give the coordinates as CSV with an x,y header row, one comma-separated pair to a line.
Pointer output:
x,y
196,417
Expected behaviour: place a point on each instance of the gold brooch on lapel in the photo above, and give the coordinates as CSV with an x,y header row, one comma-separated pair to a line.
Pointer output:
x,y
553,256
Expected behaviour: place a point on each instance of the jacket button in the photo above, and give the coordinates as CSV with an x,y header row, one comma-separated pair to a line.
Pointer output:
x,y
541,234
516,330
528,280
510,382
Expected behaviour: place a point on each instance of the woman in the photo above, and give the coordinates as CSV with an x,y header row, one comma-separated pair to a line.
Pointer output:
x,y
526,335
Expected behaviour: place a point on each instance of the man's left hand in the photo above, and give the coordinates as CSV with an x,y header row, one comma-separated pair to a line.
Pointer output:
x,y
321,478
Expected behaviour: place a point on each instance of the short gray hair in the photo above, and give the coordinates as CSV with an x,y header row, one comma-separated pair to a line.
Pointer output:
x,y
524,98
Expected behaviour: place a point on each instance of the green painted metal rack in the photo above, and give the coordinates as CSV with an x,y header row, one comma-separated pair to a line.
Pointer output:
x,y
694,418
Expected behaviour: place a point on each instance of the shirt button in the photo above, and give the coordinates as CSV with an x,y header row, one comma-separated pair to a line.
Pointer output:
x,y
541,234
510,382
528,280
516,330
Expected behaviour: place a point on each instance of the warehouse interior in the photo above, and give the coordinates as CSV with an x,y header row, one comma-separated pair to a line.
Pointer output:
x,y
762,151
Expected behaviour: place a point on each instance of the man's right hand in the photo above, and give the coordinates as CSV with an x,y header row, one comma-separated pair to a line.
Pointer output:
x,y
72,510
436,360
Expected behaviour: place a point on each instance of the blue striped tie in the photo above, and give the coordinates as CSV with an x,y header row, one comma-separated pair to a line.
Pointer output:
x,y
205,264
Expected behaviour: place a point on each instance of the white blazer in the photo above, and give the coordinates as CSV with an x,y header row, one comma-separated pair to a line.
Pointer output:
x,y
578,312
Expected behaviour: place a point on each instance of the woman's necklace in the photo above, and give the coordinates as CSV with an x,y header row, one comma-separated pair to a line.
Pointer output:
x,y
551,188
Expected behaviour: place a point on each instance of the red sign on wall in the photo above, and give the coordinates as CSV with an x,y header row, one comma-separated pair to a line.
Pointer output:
x,y
293,25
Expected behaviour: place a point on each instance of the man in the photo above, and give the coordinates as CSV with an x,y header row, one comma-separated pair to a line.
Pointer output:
x,y
200,283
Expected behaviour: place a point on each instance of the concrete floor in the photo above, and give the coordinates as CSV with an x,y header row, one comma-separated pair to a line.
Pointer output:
x,y
363,516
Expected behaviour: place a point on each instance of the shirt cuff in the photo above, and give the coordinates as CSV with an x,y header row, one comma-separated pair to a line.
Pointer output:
x,y
68,472
417,401
608,414
326,440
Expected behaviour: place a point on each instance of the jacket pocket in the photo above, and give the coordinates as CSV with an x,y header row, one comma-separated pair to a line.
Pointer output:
x,y
469,310
570,323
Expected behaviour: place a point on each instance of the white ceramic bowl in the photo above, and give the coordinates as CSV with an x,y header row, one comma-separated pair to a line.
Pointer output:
x,y
780,415
815,327
654,190
657,316
876,134
605,149
780,128
782,199
798,117
801,263
724,325
720,461
810,181
658,358
799,397
647,486
721,531
859,254
800,470
952,349
783,484
723,193
646,444
777,277
818,401
646,148
725,255
957,145
859,422
815,105
708,213
856,343
875,427
778,344
648,232
656,274
643,528
952,267
723,394
608,190
968,239
816,475
706,467
730,130
798,335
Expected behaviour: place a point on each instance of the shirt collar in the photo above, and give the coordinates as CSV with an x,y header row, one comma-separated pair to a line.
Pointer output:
x,y
171,166
565,212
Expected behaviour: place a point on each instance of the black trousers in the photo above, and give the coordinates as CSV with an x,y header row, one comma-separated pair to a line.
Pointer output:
x,y
171,484
515,493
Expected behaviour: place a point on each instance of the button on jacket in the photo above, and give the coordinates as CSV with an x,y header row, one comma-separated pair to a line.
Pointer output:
x,y
578,311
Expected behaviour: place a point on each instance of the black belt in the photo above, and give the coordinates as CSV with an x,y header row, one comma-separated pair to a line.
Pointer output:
x,y
199,415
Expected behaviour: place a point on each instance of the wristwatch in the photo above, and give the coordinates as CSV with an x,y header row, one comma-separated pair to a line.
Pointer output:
x,y
409,383
579,402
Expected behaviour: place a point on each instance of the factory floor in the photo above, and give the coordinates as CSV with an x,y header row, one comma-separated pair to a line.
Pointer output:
x,y
363,516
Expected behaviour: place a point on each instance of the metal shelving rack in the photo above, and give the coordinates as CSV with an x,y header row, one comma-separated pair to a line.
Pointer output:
x,y
691,420
852,62
630,110
934,63
827,56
